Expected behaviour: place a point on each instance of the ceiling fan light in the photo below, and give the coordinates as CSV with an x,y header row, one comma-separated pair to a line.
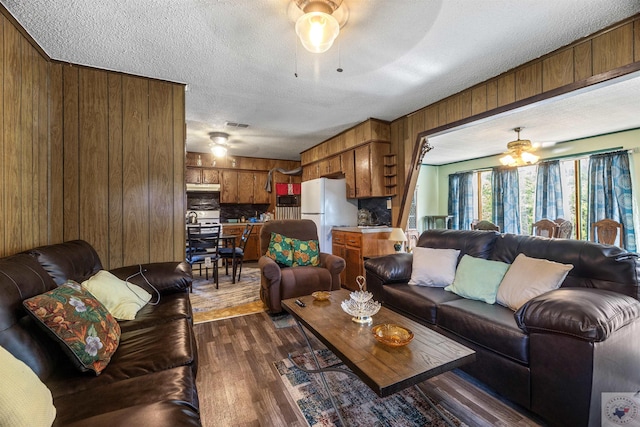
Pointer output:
x,y
219,150
529,157
507,160
317,31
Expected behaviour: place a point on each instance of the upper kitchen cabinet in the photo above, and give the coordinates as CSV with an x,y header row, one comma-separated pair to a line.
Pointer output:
x,y
347,162
200,169
357,154
195,175
369,169
251,187
246,187
229,186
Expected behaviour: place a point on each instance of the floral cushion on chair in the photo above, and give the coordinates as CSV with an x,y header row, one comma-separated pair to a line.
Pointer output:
x,y
84,328
280,250
305,252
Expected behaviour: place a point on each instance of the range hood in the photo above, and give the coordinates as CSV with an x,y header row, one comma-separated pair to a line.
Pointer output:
x,y
208,188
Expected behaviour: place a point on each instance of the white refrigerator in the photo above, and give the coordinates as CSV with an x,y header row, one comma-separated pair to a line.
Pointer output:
x,y
324,201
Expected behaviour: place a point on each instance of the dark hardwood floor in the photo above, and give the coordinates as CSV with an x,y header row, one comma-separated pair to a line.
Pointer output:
x,y
239,386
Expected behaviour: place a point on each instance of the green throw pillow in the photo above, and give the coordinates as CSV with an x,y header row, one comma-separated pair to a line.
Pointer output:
x,y
85,329
306,252
280,249
478,279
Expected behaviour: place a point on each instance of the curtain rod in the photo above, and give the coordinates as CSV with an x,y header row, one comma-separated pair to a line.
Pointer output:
x,y
567,156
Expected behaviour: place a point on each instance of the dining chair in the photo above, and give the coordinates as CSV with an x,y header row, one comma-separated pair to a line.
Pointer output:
x,y
484,225
606,231
565,228
236,253
202,248
544,228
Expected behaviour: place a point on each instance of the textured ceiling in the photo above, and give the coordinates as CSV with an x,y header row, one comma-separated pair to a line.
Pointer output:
x,y
239,57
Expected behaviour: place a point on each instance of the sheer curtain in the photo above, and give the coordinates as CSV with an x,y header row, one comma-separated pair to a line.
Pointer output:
x,y
549,191
610,193
461,200
505,200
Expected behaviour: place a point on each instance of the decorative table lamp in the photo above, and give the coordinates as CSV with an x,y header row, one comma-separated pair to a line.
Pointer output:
x,y
398,235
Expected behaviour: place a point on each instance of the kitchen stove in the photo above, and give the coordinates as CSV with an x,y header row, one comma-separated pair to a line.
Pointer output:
x,y
206,217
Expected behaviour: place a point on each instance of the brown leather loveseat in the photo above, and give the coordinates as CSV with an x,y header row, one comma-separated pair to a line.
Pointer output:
x,y
151,378
278,283
559,351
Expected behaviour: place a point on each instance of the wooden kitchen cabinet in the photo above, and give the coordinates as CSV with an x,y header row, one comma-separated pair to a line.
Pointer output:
x,y
369,169
354,247
260,195
338,248
245,187
353,259
229,186
210,176
334,165
347,161
202,176
193,176
252,249
362,157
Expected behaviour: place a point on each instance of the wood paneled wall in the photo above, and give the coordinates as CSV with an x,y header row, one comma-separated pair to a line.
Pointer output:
x,y
24,127
88,154
605,55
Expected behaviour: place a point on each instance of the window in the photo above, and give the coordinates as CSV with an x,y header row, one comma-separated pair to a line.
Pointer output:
x,y
575,197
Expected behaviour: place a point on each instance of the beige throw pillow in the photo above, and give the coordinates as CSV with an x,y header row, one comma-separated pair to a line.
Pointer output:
x,y
24,400
433,267
122,299
529,277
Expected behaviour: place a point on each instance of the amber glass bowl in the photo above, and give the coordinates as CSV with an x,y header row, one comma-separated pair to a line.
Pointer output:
x,y
321,295
392,335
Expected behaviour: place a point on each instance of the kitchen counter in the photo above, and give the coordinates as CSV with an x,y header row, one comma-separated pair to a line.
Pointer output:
x,y
365,229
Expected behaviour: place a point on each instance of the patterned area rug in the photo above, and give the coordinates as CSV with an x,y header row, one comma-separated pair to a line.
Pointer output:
x,y
230,299
359,405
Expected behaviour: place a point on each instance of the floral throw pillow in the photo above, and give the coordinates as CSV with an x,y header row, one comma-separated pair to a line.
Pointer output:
x,y
305,252
280,250
85,329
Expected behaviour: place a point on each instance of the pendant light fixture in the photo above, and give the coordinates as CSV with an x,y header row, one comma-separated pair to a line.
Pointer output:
x,y
318,28
519,153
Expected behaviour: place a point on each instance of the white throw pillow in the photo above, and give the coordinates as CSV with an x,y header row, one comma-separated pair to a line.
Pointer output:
x,y
433,267
24,400
122,299
529,277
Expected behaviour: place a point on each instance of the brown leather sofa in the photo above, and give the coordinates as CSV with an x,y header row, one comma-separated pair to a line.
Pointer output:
x,y
278,283
559,351
151,378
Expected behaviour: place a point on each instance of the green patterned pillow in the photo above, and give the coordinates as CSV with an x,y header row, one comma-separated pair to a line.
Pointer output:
x,y
85,329
306,252
280,250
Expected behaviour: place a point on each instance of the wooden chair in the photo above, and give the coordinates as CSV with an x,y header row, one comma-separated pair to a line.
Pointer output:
x,y
565,228
606,231
202,248
236,254
544,228
484,225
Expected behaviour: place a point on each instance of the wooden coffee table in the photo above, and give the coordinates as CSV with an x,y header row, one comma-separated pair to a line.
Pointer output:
x,y
386,370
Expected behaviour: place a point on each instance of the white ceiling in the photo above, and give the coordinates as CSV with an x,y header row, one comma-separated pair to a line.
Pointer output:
x,y
239,60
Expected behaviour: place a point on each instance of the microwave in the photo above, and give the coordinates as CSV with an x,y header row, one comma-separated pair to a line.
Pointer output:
x,y
288,200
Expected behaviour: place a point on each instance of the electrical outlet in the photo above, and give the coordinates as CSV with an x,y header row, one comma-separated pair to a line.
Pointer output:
x,y
388,203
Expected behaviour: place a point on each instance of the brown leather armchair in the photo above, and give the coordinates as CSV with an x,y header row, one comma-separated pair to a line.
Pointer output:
x,y
278,283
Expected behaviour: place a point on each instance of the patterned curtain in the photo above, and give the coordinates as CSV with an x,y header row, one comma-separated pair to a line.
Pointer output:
x,y
461,200
610,193
506,199
549,191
